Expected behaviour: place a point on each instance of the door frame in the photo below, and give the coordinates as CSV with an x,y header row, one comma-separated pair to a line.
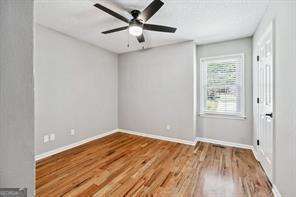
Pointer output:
x,y
269,28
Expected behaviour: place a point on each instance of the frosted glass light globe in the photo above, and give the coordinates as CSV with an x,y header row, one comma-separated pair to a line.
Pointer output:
x,y
135,30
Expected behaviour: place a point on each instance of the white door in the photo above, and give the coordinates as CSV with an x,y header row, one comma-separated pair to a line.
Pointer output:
x,y
265,101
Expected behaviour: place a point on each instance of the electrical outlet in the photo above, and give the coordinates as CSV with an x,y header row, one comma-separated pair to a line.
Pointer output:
x,y
45,138
72,132
52,137
168,127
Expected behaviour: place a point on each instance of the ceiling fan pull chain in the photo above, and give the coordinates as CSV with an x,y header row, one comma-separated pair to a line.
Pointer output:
x,y
128,43
143,43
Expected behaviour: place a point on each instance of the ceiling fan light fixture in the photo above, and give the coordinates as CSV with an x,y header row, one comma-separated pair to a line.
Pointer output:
x,y
135,29
138,23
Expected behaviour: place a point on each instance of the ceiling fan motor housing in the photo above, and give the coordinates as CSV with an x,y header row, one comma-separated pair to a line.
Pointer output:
x,y
135,14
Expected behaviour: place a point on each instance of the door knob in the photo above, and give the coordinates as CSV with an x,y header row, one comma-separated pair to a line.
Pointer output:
x,y
270,115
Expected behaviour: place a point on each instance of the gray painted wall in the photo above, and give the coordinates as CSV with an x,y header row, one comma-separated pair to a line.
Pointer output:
x,y
75,87
156,88
284,16
230,130
16,95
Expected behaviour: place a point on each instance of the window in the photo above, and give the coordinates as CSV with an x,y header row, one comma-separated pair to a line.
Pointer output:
x,y
222,85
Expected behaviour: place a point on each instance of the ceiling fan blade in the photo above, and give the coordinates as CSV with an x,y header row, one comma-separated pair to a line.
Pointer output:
x,y
161,28
112,13
141,38
115,30
149,11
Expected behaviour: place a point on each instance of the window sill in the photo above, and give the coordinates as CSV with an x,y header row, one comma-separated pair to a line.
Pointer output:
x,y
223,116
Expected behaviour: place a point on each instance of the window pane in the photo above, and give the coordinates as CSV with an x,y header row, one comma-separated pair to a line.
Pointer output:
x,y
222,98
221,74
223,87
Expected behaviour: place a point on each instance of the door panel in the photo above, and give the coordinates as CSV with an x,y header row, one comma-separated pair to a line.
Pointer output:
x,y
265,105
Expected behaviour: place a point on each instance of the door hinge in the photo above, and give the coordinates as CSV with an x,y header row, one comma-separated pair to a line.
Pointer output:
x,y
258,100
257,58
258,143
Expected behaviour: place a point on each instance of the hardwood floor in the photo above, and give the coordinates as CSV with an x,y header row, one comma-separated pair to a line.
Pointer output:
x,y
128,165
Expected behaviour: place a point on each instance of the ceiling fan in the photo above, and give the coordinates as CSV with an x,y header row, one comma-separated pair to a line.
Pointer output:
x,y
138,23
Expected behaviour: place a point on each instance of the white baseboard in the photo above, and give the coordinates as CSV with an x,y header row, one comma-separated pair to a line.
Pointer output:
x,y
224,143
196,140
275,191
159,137
61,149
187,142
255,153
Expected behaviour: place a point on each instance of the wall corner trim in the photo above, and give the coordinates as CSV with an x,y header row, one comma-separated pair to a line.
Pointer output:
x,y
224,143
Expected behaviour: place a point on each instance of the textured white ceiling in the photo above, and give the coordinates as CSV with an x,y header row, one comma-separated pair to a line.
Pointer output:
x,y
204,21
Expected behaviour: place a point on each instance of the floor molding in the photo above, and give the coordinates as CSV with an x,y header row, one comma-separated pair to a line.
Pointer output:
x,y
275,191
61,149
255,153
224,143
159,137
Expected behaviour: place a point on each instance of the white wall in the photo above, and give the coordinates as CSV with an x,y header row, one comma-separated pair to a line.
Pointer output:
x,y
156,88
75,87
16,95
230,130
284,16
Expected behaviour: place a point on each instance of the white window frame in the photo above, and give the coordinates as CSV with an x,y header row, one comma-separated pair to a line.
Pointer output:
x,y
203,79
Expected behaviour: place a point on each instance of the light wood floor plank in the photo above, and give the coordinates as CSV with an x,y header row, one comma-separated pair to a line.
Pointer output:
x,y
128,165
